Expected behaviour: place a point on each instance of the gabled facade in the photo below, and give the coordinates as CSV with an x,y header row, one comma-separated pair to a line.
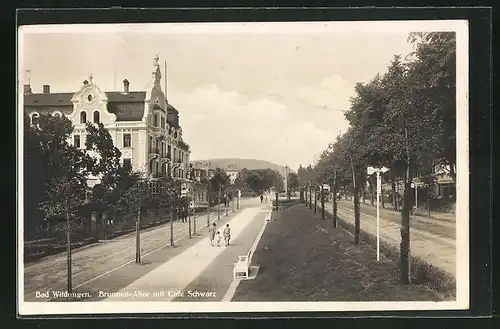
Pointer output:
x,y
143,125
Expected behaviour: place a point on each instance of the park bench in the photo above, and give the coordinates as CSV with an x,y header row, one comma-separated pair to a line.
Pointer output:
x,y
242,267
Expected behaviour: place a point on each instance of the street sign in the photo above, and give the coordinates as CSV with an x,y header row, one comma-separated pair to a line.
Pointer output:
x,y
372,170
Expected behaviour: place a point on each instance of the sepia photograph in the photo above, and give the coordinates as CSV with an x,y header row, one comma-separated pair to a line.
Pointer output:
x,y
243,167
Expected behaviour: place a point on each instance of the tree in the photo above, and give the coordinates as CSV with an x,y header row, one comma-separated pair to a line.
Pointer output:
x,y
48,159
134,199
105,164
293,181
403,120
61,172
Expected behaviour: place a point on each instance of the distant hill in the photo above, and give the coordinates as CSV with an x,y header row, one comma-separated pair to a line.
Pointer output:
x,y
244,163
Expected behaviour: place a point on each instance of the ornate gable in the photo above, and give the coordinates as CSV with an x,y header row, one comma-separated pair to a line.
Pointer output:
x,y
90,99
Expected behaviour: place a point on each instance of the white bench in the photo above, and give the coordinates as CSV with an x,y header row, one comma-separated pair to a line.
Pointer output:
x,y
242,267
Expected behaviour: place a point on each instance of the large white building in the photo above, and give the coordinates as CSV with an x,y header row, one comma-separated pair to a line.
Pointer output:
x,y
143,125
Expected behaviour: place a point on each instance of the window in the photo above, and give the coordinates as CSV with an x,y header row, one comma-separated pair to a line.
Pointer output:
x,y
127,163
175,134
34,119
83,117
76,141
162,122
155,120
169,152
96,117
150,144
126,140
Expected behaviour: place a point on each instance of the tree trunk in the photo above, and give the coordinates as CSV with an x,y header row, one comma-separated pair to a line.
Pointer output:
x,y
334,201
208,216
315,201
405,219
194,217
310,197
137,237
68,250
405,235
171,226
427,191
356,214
189,225
393,189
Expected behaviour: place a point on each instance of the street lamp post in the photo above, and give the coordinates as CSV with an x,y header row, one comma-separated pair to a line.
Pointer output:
x,y
371,171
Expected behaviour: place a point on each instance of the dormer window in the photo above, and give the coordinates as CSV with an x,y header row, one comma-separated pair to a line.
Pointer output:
x,y
96,117
175,134
83,117
89,97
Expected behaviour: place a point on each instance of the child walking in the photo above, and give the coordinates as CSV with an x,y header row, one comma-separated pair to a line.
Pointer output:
x,y
218,238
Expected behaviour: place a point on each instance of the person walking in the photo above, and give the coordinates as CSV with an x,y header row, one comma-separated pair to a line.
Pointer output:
x,y
211,235
227,234
261,198
218,238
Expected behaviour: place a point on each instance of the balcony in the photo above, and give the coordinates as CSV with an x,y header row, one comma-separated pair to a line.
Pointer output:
x,y
165,157
154,152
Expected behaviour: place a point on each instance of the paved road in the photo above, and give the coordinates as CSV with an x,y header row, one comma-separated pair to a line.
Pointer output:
x,y
99,260
432,239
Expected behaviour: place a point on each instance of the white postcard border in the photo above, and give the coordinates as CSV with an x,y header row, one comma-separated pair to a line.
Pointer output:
x,y
462,183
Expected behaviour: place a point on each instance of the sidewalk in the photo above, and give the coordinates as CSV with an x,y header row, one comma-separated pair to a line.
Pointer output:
x,y
426,243
92,262
169,280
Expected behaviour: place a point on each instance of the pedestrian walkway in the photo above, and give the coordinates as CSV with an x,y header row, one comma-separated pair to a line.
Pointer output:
x,y
169,280
437,249
92,262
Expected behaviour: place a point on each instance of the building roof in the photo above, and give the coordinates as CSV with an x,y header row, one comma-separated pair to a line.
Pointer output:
x,y
127,107
64,99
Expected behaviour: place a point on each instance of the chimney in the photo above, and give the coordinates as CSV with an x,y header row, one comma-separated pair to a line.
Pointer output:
x,y
85,82
126,84
27,89
46,89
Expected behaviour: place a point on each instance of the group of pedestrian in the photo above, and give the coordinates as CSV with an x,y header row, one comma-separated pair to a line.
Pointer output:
x,y
216,236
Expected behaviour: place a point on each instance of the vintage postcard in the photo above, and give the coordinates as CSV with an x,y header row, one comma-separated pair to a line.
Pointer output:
x,y
243,167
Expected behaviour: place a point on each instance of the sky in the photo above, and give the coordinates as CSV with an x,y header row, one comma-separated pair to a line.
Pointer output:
x,y
275,91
